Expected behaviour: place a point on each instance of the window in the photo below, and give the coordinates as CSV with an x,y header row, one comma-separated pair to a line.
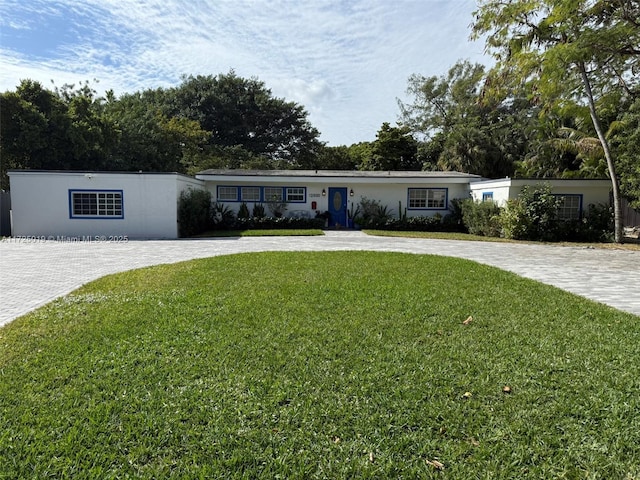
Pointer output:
x,y
96,204
295,194
273,194
230,194
428,198
487,196
570,207
250,194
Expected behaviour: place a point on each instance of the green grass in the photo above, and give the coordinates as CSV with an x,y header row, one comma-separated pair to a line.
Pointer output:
x,y
307,232
320,365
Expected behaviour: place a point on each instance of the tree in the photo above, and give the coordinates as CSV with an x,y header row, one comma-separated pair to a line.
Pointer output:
x,y
627,139
240,112
467,128
574,50
393,149
148,139
336,158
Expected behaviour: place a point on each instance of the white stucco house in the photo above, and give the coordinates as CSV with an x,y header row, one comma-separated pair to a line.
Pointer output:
x,y
576,195
308,192
53,204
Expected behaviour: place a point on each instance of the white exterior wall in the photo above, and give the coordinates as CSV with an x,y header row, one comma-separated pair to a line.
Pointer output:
x,y
592,191
41,204
387,192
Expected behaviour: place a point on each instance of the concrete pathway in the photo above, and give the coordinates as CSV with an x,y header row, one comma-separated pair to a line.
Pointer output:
x,y
34,273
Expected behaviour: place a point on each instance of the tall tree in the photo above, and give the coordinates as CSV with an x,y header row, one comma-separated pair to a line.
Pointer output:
x,y
569,50
243,112
394,149
468,129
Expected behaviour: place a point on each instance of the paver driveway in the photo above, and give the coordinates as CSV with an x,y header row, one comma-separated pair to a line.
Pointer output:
x,y
34,273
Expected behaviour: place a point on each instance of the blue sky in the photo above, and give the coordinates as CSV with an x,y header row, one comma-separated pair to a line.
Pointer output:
x,y
346,61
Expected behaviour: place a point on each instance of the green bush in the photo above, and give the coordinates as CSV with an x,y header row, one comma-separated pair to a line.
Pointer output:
x,y
595,226
414,224
243,211
194,212
481,218
262,223
454,221
258,210
222,216
373,214
532,216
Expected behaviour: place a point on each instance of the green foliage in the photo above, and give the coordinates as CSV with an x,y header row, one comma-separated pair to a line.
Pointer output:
x,y
242,113
350,365
243,211
277,207
532,216
194,212
277,223
222,216
454,220
481,218
372,214
258,210
394,149
627,141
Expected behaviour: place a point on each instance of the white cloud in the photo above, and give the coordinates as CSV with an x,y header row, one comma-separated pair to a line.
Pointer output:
x,y
346,61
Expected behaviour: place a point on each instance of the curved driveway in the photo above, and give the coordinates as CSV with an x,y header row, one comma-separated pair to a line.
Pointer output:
x,y
34,273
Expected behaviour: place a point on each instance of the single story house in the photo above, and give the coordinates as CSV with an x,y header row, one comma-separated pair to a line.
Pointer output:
x,y
72,204
309,192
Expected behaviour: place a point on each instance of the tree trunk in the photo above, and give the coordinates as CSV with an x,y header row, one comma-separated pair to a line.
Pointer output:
x,y
617,204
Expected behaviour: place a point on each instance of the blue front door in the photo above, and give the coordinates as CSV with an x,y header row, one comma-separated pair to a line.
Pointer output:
x,y
338,207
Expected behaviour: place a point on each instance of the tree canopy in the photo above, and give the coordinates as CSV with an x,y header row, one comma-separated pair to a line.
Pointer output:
x,y
567,52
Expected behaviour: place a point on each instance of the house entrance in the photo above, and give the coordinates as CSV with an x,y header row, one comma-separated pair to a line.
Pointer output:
x,y
338,207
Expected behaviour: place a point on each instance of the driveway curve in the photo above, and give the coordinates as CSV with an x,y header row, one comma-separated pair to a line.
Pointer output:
x,y
33,273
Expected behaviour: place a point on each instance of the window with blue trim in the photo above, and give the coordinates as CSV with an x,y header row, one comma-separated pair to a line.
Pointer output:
x,y
428,198
250,194
487,196
273,194
261,194
95,204
295,194
227,194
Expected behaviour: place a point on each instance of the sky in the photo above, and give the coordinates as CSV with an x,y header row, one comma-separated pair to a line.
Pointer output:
x,y
347,62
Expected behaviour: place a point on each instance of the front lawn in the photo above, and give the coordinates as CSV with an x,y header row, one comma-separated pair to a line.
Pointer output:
x,y
320,365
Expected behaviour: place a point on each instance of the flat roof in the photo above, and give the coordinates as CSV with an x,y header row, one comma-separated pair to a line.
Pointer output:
x,y
334,174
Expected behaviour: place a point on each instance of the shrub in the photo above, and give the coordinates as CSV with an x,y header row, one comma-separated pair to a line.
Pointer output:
x,y
532,216
194,212
258,210
222,216
243,211
414,224
277,207
595,226
454,222
481,218
373,214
